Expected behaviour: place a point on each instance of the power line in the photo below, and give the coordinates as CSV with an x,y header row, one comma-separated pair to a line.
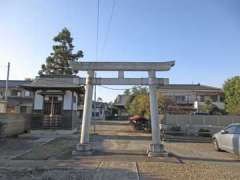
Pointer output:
x,y
97,35
95,73
113,88
109,26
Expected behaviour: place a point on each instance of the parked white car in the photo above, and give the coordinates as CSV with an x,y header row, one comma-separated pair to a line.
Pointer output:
x,y
228,139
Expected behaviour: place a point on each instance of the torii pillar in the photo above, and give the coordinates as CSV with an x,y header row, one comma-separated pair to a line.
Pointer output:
x,y
156,148
84,147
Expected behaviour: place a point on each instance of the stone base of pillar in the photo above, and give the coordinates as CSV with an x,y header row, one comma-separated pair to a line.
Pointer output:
x,y
156,150
83,150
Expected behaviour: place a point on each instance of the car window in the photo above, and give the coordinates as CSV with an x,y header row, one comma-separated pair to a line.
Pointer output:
x,y
237,130
230,129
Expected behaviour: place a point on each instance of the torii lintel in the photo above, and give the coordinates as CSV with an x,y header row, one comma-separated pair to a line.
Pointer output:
x,y
122,66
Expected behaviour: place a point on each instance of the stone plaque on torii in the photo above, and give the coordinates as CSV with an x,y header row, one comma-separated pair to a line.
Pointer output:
x,y
156,147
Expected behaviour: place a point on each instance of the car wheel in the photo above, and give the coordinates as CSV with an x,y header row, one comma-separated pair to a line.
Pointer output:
x,y
215,144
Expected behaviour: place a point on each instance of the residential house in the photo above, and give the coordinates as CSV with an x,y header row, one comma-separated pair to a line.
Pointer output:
x,y
187,98
100,110
120,103
19,99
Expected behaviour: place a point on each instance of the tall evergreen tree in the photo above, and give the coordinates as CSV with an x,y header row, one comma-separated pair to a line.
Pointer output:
x,y
58,61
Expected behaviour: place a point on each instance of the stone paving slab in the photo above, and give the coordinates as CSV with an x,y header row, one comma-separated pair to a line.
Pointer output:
x,y
117,170
51,164
86,169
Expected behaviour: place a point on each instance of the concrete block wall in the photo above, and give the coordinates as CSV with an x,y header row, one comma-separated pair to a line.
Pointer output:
x,y
14,124
190,124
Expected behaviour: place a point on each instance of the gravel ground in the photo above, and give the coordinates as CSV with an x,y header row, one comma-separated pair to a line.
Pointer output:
x,y
199,151
11,147
121,156
43,174
189,170
59,148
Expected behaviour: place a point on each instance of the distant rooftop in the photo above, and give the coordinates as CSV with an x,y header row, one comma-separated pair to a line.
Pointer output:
x,y
121,100
189,87
14,83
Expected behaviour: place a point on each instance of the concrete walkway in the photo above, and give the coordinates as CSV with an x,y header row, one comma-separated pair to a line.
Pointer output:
x,y
120,138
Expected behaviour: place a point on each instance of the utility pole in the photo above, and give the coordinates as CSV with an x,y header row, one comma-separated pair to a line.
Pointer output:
x,y
95,105
6,89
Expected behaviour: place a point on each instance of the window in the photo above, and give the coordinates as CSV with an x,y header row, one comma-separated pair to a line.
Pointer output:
x,y
14,92
26,93
214,98
180,98
188,99
221,98
234,129
97,114
74,99
237,130
23,109
202,98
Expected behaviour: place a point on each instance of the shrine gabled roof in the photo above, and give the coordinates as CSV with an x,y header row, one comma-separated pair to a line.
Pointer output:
x,y
54,82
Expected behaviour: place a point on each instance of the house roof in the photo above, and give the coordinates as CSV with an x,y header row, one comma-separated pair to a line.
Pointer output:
x,y
13,83
193,87
54,82
121,100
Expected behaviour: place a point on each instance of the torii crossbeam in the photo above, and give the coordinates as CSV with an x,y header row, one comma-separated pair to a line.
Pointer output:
x,y
156,147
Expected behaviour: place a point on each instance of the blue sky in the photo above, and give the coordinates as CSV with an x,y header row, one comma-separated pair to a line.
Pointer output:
x,y
203,36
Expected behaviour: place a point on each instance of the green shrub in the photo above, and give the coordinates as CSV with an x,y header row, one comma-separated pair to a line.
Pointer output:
x,y
175,128
203,132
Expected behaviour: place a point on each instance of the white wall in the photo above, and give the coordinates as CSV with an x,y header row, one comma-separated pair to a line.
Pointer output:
x,y
38,101
3,106
75,103
67,105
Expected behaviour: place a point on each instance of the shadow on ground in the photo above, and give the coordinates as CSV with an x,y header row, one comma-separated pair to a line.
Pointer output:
x,y
120,137
67,174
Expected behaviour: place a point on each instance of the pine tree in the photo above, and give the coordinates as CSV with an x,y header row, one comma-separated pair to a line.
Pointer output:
x,y
58,61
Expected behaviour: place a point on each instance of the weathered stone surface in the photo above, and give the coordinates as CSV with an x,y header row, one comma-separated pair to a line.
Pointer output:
x,y
122,66
13,124
157,150
82,150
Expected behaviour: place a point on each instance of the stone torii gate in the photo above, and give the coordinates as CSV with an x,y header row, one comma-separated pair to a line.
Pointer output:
x,y
156,147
